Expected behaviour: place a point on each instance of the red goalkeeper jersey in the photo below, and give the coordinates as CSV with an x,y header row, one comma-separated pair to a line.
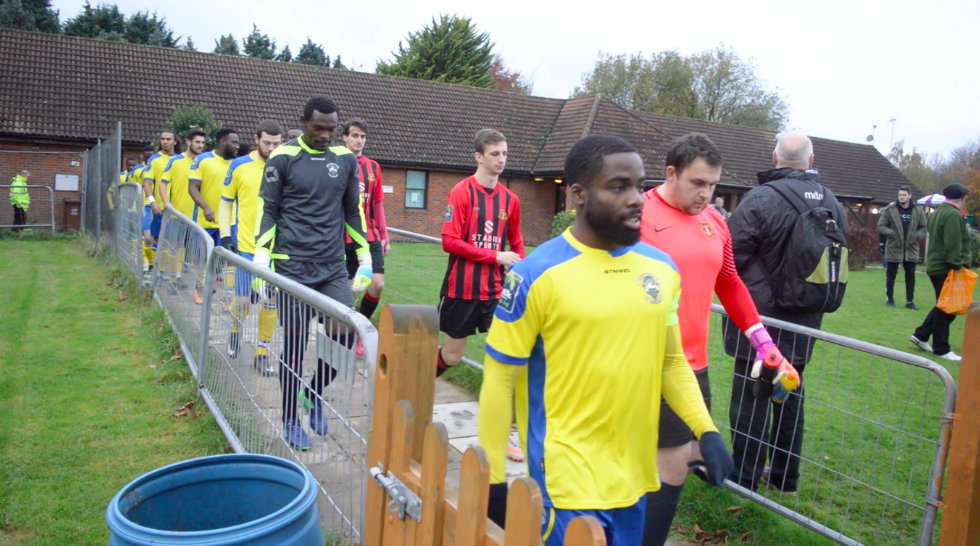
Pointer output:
x,y
701,248
477,223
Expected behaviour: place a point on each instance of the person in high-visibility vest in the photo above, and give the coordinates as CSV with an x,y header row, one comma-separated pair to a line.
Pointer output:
x,y
19,197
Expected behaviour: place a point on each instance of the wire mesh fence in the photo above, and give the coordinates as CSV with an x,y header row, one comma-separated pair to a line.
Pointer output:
x,y
100,179
860,463
179,276
37,211
856,453
283,377
128,203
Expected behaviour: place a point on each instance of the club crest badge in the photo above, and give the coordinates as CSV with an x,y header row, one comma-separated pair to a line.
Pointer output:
x,y
706,228
449,213
651,288
333,170
502,215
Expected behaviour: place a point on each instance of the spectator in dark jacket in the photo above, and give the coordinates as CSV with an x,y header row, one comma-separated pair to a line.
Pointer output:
x,y
950,245
760,230
903,224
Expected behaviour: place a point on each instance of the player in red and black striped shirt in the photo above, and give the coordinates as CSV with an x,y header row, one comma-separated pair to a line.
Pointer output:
x,y
354,136
482,215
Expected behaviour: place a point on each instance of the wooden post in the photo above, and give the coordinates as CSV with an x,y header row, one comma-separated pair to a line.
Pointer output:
x,y
524,511
474,495
400,532
408,337
435,460
961,515
585,531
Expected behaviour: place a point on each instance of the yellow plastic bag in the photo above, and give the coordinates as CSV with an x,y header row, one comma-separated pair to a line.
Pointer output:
x,y
957,292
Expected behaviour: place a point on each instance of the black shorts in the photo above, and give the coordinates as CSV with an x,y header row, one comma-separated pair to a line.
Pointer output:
x,y
377,259
673,431
460,318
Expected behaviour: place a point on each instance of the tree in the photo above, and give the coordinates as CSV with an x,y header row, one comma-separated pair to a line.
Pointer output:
x,y
312,54
285,56
33,15
449,50
103,21
187,117
714,85
258,45
508,80
147,29
338,64
189,45
226,45
915,167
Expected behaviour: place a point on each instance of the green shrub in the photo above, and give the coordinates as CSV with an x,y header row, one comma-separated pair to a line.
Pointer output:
x,y
562,221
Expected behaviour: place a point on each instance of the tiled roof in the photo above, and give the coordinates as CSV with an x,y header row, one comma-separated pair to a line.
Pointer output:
x,y
76,88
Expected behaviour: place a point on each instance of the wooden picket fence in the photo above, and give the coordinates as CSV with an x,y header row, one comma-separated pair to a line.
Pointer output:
x,y
405,441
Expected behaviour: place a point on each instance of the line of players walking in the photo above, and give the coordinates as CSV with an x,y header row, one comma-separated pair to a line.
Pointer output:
x,y
591,337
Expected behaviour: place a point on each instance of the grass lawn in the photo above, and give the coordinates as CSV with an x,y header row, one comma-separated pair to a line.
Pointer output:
x,y
87,394
871,423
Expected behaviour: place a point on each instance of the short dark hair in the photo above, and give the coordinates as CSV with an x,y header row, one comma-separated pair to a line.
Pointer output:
x,y
130,158
195,132
319,104
585,159
906,189
171,131
268,127
359,123
487,136
149,148
686,149
223,132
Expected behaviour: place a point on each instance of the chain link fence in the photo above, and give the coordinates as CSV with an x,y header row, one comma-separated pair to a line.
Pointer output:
x,y
129,230
862,463
39,210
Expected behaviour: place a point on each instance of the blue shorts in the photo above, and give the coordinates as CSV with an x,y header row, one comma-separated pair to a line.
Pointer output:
x,y
215,234
623,526
243,279
147,217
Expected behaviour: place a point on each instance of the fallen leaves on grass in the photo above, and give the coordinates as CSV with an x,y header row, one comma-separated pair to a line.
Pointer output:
x,y
703,537
744,537
681,530
121,296
184,411
155,366
177,356
735,510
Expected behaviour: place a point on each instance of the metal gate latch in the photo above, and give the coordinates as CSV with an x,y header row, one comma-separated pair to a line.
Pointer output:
x,y
403,501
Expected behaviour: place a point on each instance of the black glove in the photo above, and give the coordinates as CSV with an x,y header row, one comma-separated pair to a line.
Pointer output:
x,y
881,247
717,461
228,244
497,508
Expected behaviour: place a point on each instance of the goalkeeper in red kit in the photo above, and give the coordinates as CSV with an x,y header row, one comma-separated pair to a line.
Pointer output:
x,y
678,219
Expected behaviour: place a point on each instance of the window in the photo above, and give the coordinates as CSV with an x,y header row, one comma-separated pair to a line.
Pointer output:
x,y
415,182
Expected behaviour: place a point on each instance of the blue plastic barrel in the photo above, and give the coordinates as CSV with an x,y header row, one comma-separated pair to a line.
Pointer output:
x,y
218,501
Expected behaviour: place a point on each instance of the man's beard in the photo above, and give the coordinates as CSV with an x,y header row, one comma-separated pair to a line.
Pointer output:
x,y
609,228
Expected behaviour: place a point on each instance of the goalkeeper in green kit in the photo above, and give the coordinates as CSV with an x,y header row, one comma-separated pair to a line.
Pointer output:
x,y
308,199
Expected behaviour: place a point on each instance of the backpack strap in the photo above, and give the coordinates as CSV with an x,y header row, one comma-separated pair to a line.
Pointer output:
x,y
796,201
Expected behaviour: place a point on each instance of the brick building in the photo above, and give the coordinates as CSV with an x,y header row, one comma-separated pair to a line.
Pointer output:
x,y
59,94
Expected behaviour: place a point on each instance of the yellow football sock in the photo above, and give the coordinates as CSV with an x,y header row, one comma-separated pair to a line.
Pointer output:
x,y
267,327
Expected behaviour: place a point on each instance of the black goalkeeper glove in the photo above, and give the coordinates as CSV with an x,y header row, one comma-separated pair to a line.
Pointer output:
x,y
717,461
228,244
497,507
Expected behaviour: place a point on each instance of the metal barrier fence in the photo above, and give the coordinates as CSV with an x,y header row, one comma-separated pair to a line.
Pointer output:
x,y
128,204
39,213
179,276
251,353
873,437
318,410
100,177
868,433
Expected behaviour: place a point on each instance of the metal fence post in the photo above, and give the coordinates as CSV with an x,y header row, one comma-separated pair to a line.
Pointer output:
x,y
85,167
961,513
98,198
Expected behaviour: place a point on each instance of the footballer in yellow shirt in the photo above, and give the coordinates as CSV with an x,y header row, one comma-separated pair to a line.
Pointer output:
x,y
241,188
174,184
588,370
207,177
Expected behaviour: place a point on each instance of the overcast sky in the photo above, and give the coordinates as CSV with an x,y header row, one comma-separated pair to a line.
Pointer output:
x,y
843,66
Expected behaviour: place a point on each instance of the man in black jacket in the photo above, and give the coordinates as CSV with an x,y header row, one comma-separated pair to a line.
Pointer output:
x,y
760,229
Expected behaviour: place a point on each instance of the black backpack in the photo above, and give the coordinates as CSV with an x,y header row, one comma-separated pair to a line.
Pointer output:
x,y
812,276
